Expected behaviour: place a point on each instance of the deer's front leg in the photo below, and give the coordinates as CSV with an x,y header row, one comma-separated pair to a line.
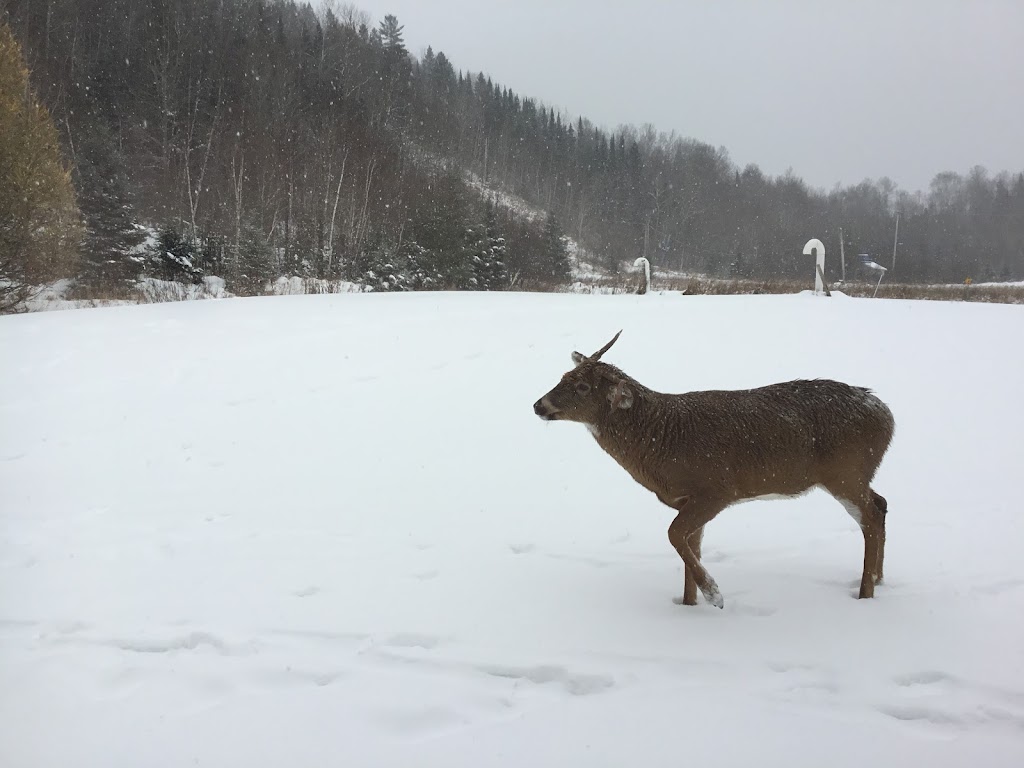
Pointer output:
x,y
689,523
690,584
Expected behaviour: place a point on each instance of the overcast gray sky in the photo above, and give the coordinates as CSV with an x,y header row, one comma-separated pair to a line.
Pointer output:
x,y
837,91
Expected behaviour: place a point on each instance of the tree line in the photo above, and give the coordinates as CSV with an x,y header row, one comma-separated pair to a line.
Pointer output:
x,y
264,137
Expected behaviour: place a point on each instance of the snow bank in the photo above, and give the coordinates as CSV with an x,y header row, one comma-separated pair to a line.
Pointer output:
x,y
299,286
210,287
329,530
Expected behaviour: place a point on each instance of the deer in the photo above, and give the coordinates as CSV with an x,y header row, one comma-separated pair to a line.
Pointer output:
x,y
702,452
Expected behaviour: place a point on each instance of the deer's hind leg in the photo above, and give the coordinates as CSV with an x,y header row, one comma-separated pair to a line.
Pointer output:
x,y
882,506
870,516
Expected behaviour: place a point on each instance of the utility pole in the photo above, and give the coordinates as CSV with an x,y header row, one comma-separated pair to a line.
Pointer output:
x,y
895,240
842,253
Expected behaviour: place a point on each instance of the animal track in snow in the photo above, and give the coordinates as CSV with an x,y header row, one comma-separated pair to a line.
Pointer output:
x,y
927,714
290,676
742,609
938,698
190,642
574,683
998,587
928,677
410,640
596,562
306,591
420,720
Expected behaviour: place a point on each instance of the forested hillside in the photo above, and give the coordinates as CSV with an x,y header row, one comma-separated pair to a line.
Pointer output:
x,y
268,137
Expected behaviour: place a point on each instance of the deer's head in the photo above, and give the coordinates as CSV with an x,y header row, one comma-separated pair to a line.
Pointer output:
x,y
588,392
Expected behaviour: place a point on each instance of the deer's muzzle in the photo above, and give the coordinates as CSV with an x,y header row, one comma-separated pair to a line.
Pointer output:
x,y
544,409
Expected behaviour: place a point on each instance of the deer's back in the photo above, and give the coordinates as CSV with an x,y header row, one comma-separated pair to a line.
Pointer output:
x,y
778,439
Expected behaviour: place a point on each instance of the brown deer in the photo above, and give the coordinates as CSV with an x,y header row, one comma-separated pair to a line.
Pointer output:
x,y
701,452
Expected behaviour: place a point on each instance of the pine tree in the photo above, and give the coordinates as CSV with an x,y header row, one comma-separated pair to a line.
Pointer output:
x,y
255,263
111,237
176,257
476,250
555,253
391,35
489,261
40,226
418,269
444,230
376,267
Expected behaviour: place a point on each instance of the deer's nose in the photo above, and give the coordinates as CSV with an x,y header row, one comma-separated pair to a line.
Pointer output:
x,y
539,407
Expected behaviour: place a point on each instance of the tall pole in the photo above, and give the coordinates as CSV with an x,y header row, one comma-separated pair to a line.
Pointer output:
x,y
895,240
842,253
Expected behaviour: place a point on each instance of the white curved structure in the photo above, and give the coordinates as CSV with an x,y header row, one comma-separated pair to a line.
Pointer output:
x,y
643,262
819,265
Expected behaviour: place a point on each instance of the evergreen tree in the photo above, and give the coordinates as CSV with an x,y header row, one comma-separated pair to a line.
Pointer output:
x,y
556,256
420,274
391,35
176,257
376,268
476,250
444,230
255,263
111,237
489,260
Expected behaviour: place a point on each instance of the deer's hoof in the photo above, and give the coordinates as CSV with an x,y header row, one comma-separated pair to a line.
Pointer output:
x,y
713,595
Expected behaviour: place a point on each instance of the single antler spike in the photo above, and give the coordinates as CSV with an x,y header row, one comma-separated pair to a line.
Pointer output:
x,y
606,347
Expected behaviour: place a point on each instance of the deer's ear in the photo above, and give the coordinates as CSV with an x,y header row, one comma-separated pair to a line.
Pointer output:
x,y
621,396
577,358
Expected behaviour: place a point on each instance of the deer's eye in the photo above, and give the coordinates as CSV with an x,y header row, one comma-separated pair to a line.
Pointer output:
x,y
583,388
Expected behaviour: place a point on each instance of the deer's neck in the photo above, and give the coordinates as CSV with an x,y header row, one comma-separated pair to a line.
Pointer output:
x,y
639,432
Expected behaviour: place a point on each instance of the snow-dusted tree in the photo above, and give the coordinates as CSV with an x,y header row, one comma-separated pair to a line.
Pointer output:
x,y
376,268
176,257
489,259
111,237
255,264
418,266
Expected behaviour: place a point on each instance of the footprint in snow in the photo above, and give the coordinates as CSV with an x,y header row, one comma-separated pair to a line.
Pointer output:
x,y
998,587
928,677
410,640
574,683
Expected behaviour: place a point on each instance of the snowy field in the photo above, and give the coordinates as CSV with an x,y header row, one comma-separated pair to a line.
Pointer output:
x,y
330,531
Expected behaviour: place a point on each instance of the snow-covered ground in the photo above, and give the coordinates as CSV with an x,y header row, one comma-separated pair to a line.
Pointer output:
x,y
329,530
